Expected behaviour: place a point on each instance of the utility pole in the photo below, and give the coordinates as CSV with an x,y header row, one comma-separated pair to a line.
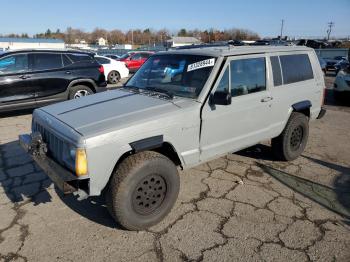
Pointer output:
x,y
329,30
282,24
132,36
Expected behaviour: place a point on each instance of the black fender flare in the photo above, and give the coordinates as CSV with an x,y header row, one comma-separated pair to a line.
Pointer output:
x,y
147,143
302,105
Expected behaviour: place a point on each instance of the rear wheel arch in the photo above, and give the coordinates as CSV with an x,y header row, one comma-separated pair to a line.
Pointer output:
x,y
86,82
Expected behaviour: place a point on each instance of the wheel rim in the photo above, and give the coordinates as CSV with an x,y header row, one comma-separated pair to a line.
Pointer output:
x,y
113,77
296,138
81,93
149,194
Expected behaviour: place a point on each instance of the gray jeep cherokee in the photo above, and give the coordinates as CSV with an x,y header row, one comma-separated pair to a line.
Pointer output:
x,y
182,108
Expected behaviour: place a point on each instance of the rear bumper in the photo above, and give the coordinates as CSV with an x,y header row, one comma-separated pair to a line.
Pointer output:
x,y
61,177
322,113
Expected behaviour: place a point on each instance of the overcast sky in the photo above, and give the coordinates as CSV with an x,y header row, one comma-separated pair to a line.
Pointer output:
x,y
302,17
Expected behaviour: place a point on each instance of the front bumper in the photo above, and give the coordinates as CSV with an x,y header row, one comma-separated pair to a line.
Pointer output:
x,y
61,177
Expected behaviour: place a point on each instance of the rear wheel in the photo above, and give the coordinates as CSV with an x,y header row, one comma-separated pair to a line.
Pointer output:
x,y
79,91
292,141
143,190
113,77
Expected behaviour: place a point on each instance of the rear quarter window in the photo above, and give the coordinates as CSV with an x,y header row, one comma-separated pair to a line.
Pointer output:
x,y
80,57
102,60
296,68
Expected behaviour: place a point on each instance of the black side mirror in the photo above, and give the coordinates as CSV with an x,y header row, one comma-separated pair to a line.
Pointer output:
x,y
220,98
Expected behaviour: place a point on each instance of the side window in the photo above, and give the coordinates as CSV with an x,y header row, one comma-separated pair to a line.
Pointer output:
x,y
224,84
247,76
14,64
47,61
296,68
136,57
102,60
80,57
276,71
66,60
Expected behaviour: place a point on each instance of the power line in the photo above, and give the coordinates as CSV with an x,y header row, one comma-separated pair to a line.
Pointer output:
x,y
329,30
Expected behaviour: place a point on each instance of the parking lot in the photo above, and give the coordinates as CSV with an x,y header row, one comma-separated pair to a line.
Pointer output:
x,y
241,207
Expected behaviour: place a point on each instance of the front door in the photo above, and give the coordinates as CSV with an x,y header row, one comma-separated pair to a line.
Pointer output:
x,y
246,121
15,80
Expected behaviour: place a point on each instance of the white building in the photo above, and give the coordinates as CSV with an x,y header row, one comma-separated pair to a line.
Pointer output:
x,y
101,41
182,41
12,43
123,46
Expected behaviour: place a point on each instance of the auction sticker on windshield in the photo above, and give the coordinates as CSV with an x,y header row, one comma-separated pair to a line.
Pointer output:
x,y
201,64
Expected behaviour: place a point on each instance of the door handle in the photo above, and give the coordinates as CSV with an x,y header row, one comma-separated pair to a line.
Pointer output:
x,y
266,99
68,72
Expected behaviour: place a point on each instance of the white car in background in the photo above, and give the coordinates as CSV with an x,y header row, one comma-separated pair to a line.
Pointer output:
x,y
114,70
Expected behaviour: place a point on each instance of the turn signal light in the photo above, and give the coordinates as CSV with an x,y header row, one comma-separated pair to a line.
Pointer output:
x,y
81,167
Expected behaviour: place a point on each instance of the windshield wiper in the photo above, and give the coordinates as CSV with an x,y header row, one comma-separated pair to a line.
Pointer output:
x,y
160,90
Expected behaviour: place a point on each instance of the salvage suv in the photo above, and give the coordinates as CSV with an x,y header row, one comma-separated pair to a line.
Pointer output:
x,y
181,109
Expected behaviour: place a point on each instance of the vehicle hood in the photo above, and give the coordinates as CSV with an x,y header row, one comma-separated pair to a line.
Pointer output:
x,y
112,110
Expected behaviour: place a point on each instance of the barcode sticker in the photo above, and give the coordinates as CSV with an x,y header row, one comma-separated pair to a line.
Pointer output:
x,y
201,64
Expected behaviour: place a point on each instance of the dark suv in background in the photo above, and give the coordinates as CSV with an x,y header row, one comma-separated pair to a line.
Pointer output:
x,y
32,78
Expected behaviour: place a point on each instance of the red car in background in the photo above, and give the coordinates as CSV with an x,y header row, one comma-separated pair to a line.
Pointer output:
x,y
134,60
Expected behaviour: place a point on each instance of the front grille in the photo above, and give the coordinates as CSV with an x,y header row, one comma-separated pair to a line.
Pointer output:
x,y
55,145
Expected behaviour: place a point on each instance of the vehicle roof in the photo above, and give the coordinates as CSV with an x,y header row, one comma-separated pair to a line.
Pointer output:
x,y
236,50
8,52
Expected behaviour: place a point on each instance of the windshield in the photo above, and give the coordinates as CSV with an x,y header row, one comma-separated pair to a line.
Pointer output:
x,y
175,74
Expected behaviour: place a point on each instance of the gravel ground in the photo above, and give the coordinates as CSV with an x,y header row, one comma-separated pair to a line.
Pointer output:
x,y
241,207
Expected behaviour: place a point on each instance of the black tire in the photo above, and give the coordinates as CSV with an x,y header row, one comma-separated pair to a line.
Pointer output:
x,y
79,89
292,141
142,190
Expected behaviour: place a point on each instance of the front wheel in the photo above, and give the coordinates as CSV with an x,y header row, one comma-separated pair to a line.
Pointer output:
x,y
143,190
292,141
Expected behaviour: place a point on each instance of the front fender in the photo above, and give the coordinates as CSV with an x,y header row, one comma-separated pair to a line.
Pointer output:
x,y
101,164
